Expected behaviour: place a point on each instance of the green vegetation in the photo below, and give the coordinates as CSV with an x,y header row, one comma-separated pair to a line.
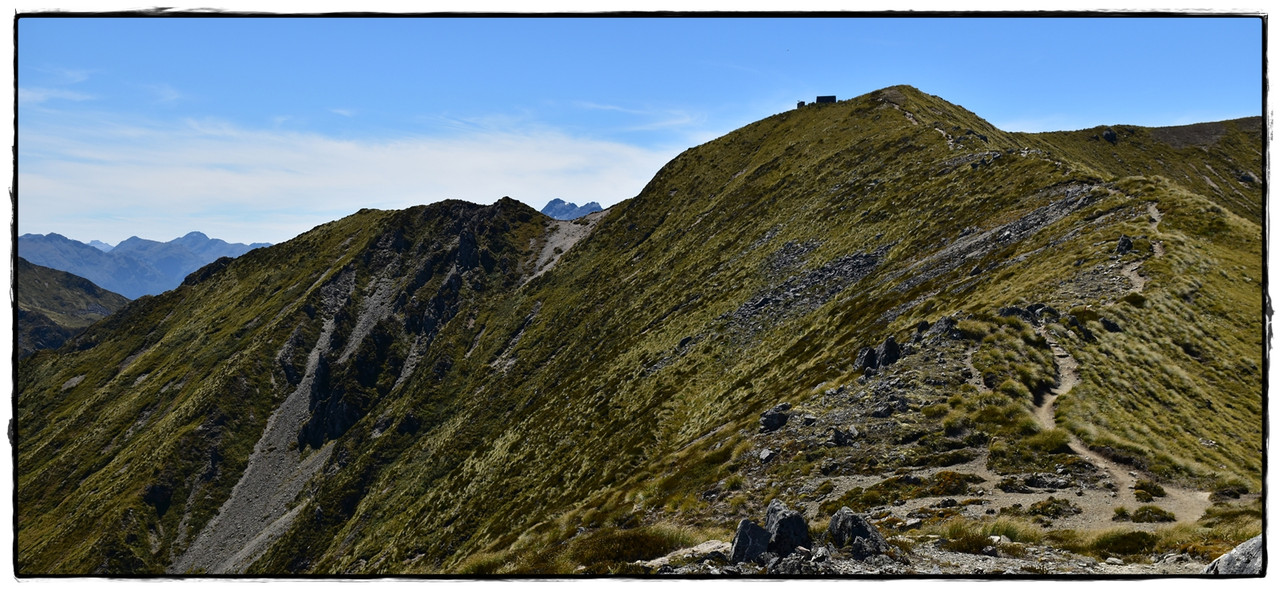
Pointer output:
x,y
54,306
473,419
1151,513
902,487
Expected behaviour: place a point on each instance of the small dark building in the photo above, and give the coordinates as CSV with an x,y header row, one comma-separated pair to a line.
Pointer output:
x,y
800,104
825,99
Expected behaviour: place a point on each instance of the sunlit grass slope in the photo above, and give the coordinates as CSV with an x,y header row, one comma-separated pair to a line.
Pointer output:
x,y
489,424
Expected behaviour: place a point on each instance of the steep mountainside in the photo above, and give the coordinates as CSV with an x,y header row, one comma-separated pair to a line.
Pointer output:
x,y
135,266
53,306
825,307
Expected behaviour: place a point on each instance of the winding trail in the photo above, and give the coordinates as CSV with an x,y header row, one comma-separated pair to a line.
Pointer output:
x,y
1130,270
1186,504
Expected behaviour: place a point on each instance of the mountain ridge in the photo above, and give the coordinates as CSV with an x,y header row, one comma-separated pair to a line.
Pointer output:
x,y
54,306
134,267
469,416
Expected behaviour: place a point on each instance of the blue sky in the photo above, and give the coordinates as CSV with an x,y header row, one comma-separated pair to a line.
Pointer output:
x,y
256,129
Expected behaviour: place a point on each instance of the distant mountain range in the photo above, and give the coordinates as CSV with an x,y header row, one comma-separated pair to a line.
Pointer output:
x,y
134,267
54,306
564,211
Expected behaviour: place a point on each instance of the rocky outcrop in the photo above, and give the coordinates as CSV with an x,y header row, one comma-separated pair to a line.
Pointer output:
x,y
854,533
1245,559
749,542
873,359
787,529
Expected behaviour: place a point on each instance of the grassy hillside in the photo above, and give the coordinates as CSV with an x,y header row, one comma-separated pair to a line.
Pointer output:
x,y
53,306
462,417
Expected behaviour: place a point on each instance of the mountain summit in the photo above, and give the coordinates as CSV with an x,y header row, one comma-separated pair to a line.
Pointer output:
x,y
567,211
882,315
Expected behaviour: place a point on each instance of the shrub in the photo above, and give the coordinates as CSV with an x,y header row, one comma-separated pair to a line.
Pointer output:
x,y
963,536
1123,543
1122,515
1151,487
605,549
970,329
1054,508
1152,514
934,411
1231,489
1142,496
1052,441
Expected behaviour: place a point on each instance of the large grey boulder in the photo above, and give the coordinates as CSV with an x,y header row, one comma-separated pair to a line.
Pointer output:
x,y
787,529
889,351
867,358
1245,559
749,542
853,532
774,418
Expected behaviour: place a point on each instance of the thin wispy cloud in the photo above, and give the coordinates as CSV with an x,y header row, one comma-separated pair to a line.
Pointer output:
x,y
163,93
270,185
343,112
41,95
657,118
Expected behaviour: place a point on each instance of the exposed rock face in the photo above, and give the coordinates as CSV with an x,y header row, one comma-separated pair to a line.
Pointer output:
x,y
852,531
1245,559
749,542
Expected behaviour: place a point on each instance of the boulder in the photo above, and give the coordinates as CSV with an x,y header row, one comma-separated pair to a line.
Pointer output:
x,y
1245,559
1125,246
866,359
841,437
749,542
888,352
853,532
787,529
775,418
1024,314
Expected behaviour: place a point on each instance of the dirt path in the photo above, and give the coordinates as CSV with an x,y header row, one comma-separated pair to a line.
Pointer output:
x,y
1067,378
1130,270
1187,505
1157,246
